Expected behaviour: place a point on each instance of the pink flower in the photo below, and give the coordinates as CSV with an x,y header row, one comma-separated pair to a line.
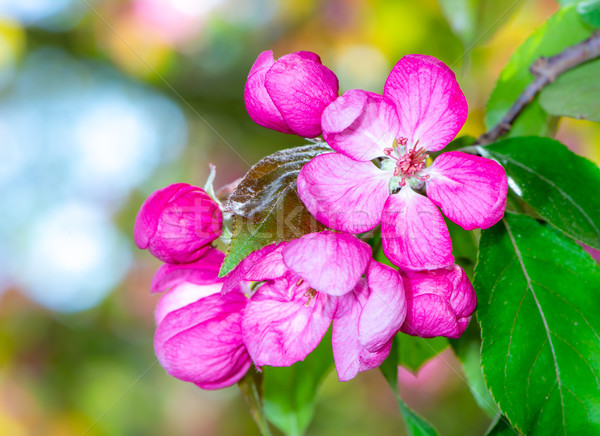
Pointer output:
x,y
310,282
178,223
199,331
440,302
290,94
421,110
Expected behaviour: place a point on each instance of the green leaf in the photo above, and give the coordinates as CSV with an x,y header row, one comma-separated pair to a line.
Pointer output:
x,y
266,204
575,93
290,392
475,21
559,185
251,388
415,425
588,9
562,30
414,352
538,309
467,349
501,427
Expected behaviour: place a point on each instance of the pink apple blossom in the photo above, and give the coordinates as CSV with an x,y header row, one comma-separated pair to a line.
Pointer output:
x,y
310,282
177,223
199,330
381,166
440,302
290,94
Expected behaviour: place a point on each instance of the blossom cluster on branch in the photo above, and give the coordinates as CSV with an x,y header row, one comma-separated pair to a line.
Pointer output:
x,y
276,306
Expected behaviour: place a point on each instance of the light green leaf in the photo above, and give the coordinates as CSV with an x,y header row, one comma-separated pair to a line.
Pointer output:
x,y
588,9
414,352
467,349
290,392
559,185
562,30
415,425
475,21
575,93
538,306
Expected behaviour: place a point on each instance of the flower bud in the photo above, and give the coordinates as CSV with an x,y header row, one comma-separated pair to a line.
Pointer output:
x,y
440,302
289,95
178,223
199,331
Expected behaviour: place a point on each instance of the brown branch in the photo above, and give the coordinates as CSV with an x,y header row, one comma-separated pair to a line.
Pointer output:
x,y
545,70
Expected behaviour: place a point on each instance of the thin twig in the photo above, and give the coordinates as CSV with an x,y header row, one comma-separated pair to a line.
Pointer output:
x,y
545,70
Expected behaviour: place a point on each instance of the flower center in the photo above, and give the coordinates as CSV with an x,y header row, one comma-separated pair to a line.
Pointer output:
x,y
409,161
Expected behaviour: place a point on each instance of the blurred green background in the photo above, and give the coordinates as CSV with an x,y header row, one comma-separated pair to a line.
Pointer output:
x,y
103,102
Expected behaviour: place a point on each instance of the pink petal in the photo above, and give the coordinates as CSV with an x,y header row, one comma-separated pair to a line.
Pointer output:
x,y
301,89
202,342
413,232
440,302
182,295
330,262
281,325
259,105
342,193
430,104
385,309
470,190
360,124
350,356
264,264
201,272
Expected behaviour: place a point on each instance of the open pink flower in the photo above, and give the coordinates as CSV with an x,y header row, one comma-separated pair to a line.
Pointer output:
x,y
199,331
308,283
440,302
177,223
290,94
382,144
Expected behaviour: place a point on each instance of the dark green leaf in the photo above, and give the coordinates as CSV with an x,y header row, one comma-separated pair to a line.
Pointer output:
x,y
563,29
561,186
266,205
575,93
457,144
290,392
464,246
501,427
414,352
538,309
415,425
475,21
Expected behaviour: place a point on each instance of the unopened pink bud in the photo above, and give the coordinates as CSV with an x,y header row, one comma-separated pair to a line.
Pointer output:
x,y
178,223
289,95
440,302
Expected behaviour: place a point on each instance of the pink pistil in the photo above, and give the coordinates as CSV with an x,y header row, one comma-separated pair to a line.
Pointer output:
x,y
409,163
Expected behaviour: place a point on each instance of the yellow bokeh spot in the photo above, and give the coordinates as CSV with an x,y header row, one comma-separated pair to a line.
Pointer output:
x,y
136,49
12,42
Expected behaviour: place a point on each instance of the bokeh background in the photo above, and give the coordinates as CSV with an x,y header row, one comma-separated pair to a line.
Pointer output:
x,y
103,102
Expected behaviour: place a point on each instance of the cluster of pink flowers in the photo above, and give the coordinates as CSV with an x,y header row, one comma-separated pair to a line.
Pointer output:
x,y
275,307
